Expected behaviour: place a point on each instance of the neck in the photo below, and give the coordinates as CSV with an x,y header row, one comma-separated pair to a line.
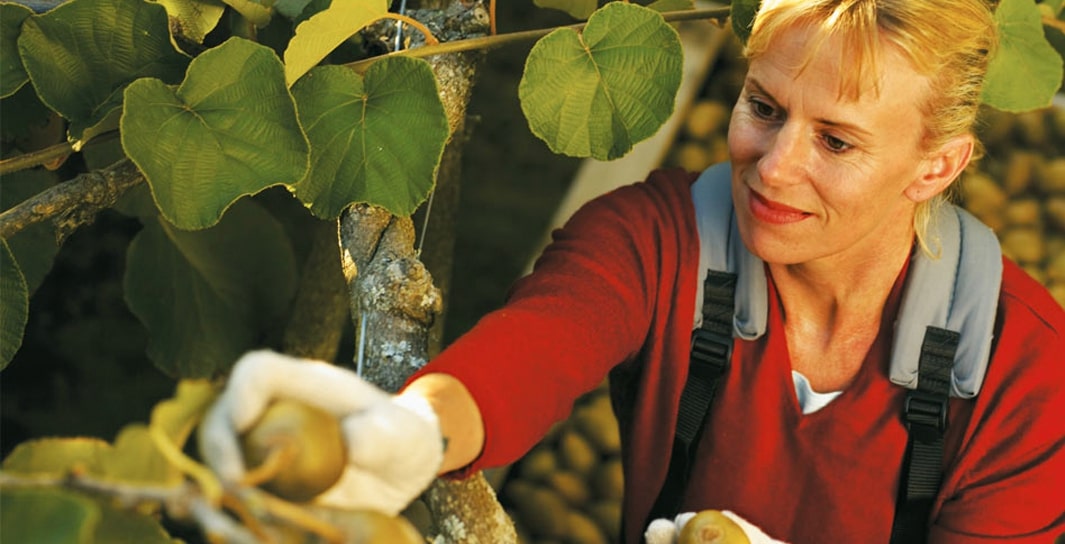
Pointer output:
x,y
843,290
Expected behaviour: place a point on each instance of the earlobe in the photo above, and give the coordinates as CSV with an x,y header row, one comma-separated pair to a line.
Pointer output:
x,y
941,168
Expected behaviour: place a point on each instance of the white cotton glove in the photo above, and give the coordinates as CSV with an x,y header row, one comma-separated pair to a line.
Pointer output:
x,y
664,531
394,443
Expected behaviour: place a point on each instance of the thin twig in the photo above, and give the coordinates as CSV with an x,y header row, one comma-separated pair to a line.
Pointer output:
x,y
489,42
36,158
429,38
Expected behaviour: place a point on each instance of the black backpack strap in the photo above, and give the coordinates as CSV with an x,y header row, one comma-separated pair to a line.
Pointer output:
x,y
925,415
711,351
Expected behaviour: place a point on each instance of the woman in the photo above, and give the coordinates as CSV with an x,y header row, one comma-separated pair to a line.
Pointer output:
x,y
855,117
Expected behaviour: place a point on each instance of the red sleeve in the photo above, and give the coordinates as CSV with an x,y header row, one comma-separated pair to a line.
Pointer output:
x,y
586,307
1008,482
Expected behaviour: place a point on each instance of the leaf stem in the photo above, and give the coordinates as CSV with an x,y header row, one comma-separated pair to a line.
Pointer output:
x,y
36,158
498,40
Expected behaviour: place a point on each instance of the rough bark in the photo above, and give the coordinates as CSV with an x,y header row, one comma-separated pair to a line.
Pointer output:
x,y
73,203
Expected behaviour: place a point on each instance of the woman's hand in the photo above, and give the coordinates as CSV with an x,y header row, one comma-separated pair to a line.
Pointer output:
x,y
393,443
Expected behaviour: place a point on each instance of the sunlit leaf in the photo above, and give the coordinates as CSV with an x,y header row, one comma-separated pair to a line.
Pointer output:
x,y
255,12
578,9
598,93
177,416
376,139
47,516
134,459
34,248
318,36
14,305
229,130
12,74
206,297
57,456
1027,71
194,18
122,527
742,17
79,53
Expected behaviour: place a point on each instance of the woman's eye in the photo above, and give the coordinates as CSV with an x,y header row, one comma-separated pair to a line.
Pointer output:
x,y
763,110
835,144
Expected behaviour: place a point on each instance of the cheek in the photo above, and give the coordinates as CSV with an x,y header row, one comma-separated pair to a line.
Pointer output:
x,y
742,138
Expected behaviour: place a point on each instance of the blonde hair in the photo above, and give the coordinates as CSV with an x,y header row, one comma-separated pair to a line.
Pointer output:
x,y
948,41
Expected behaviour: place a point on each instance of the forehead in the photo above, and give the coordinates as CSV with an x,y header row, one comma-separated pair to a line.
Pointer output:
x,y
848,67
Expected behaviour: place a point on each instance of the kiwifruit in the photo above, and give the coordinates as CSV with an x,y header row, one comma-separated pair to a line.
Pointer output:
x,y
307,440
712,527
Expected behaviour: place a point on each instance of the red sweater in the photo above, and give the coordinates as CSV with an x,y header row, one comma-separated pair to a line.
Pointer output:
x,y
616,288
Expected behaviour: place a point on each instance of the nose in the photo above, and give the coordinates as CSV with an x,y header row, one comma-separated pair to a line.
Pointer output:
x,y
785,155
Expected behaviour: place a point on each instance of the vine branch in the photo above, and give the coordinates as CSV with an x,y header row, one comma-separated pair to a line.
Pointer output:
x,y
73,203
497,40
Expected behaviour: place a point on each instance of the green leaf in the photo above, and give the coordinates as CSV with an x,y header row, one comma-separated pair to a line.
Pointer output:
x,y
1027,71
57,456
12,74
376,140
742,17
229,130
206,297
34,248
179,415
135,459
121,527
578,9
255,12
598,93
47,516
663,6
291,8
14,305
21,113
193,19
318,36
79,53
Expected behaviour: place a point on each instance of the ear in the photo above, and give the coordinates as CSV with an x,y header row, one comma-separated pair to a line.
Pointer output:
x,y
940,168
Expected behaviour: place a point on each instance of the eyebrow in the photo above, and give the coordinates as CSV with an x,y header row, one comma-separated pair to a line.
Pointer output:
x,y
829,122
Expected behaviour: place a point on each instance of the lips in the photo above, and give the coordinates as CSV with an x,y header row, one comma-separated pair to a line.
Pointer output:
x,y
772,212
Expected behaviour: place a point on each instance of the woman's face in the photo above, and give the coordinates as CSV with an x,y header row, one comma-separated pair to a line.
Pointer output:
x,y
817,175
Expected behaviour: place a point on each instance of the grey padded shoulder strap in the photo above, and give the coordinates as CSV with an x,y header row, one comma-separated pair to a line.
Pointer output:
x,y
722,249
958,291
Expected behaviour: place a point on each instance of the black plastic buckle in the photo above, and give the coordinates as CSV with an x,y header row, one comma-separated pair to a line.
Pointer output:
x,y
927,410
710,353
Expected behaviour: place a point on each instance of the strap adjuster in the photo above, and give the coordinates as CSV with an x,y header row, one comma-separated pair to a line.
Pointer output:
x,y
927,410
710,354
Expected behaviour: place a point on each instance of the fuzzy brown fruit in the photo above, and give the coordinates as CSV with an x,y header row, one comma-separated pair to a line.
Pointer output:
x,y
712,527
309,444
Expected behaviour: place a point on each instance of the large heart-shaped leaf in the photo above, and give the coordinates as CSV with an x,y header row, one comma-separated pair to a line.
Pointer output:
x,y
208,296
79,53
376,139
229,130
14,305
318,36
597,93
194,18
12,74
1026,71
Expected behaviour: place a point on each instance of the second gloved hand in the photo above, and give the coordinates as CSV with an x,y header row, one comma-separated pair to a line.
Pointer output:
x,y
393,442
